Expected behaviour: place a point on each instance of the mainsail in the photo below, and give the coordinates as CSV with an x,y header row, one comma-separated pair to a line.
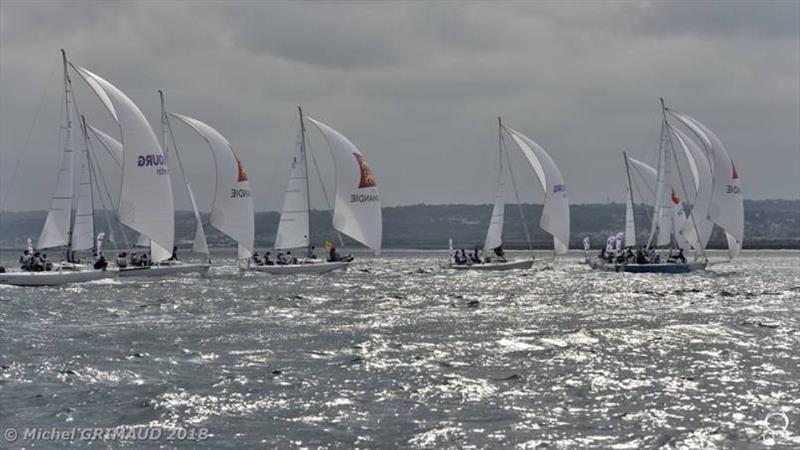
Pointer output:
x,y
294,227
145,203
56,230
630,222
357,208
727,207
649,177
232,207
494,235
555,213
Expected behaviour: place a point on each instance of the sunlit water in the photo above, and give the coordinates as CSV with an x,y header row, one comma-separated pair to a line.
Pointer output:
x,y
400,352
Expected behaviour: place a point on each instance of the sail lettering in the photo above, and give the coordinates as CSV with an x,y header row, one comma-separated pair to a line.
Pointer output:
x,y
364,198
731,189
151,160
559,188
240,193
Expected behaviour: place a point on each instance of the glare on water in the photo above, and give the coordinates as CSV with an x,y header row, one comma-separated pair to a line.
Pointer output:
x,y
401,352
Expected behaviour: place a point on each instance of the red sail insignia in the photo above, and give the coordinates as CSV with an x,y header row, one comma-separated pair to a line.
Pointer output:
x,y
242,173
367,179
675,198
735,175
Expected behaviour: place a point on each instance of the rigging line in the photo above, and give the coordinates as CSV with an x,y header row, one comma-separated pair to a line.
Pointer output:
x,y
4,198
93,176
321,183
107,191
516,192
683,186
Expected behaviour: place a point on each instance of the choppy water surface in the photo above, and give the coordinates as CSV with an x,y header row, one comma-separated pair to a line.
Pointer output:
x,y
398,352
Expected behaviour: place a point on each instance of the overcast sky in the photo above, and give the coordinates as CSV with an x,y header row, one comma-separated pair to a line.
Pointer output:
x,y
417,86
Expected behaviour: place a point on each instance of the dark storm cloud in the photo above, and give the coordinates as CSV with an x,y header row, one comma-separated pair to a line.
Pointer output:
x,y
417,86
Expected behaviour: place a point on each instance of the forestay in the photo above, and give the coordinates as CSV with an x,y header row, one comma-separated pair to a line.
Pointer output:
x,y
232,207
145,203
357,208
555,213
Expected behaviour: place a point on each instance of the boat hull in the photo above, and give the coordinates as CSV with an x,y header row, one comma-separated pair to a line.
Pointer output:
x,y
164,270
54,278
499,266
649,268
292,269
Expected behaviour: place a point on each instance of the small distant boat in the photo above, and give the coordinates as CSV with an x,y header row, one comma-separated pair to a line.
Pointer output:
x,y
555,212
66,227
717,200
356,210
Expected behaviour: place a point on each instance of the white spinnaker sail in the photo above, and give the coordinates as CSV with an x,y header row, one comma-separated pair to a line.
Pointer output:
x,y
649,177
357,209
55,232
83,229
630,223
727,207
555,213
146,196
294,228
232,208
113,147
697,222
494,235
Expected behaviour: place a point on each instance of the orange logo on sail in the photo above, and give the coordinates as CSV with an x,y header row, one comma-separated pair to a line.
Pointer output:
x,y
242,173
367,179
675,198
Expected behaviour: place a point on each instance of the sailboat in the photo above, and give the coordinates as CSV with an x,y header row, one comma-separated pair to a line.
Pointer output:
x,y
555,212
232,210
717,200
65,226
356,210
145,203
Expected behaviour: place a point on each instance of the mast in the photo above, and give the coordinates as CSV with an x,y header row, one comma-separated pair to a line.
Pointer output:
x,y
91,180
659,181
305,163
166,126
68,123
164,123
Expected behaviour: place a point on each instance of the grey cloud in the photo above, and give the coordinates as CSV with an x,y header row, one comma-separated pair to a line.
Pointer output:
x,y
417,86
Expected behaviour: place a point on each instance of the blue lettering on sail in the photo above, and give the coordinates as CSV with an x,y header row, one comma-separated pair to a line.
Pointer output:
x,y
151,160
559,188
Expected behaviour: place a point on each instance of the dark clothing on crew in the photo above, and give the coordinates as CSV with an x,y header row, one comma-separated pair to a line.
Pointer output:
x,y
174,256
101,263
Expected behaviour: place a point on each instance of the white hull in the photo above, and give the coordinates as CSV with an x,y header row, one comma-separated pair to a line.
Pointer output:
x,y
648,268
292,269
509,265
54,278
164,270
